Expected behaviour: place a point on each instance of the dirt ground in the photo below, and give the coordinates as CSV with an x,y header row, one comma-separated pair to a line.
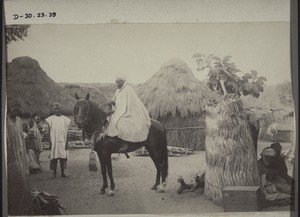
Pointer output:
x,y
133,178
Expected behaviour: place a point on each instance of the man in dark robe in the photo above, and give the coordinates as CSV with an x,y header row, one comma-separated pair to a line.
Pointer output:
x,y
280,165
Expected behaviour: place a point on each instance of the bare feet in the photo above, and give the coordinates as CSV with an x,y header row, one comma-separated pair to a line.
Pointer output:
x,y
64,176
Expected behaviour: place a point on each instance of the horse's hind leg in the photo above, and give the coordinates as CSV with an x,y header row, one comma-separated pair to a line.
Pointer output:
x,y
163,177
158,171
110,174
103,171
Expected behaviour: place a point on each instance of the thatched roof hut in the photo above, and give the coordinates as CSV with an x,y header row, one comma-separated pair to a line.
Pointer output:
x,y
176,98
28,85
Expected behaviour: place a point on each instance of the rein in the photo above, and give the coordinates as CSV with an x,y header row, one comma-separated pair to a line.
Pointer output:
x,y
87,115
87,119
92,134
99,131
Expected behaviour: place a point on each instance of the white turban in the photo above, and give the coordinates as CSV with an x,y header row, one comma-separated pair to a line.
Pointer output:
x,y
121,76
268,152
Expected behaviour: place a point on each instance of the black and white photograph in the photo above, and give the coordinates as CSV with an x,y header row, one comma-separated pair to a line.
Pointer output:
x,y
162,119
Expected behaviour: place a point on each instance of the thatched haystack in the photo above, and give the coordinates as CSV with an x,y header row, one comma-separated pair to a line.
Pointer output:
x,y
176,98
95,95
230,156
30,86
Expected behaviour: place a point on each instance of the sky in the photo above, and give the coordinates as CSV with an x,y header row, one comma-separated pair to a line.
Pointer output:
x,y
96,53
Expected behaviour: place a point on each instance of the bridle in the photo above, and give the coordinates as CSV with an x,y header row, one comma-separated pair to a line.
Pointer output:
x,y
86,118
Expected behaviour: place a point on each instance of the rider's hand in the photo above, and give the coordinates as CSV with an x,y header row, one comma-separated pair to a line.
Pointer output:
x,y
110,112
112,103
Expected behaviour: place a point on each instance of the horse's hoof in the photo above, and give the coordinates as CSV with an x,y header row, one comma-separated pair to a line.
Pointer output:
x,y
111,193
160,191
179,191
194,188
154,187
102,191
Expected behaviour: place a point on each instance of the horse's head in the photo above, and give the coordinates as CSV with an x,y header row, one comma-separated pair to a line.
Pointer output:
x,y
81,110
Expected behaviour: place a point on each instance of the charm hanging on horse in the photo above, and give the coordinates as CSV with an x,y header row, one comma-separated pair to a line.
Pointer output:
x,y
91,119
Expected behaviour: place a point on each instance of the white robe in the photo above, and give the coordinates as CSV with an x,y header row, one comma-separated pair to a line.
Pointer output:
x,y
130,121
59,126
16,141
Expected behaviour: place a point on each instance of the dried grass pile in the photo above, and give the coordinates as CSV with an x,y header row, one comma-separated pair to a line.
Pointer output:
x,y
43,203
176,98
29,84
230,156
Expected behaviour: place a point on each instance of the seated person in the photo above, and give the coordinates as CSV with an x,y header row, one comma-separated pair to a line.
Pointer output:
x,y
280,165
273,185
130,121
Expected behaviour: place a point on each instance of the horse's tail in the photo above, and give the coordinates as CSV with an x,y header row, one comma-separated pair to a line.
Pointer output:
x,y
165,164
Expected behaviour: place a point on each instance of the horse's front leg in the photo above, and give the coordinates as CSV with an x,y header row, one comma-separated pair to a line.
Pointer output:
x,y
103,171
110,174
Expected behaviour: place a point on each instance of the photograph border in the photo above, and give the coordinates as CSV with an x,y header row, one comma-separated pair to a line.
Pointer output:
x,y
295,83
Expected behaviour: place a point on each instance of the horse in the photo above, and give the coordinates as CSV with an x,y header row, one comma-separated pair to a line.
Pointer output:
x,y
92,119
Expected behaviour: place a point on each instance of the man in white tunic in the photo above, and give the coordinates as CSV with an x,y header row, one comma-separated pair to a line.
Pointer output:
x,y
130,121
58,127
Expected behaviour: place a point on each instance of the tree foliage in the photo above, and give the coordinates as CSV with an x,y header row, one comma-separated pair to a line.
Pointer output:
x,y
16,33
224,79
285,94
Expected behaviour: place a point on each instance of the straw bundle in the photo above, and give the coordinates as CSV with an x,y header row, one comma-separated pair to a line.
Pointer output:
x,y
230,155
92,161
43,203
176,98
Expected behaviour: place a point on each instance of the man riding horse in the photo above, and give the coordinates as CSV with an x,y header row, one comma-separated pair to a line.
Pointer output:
x,y
130,120
130,128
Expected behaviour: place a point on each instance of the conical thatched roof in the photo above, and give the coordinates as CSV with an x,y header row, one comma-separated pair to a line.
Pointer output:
x,y
173,90
95,95
28,85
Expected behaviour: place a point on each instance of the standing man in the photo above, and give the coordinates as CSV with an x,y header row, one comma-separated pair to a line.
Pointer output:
x,y
37,123
34,148
16,141
58,130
